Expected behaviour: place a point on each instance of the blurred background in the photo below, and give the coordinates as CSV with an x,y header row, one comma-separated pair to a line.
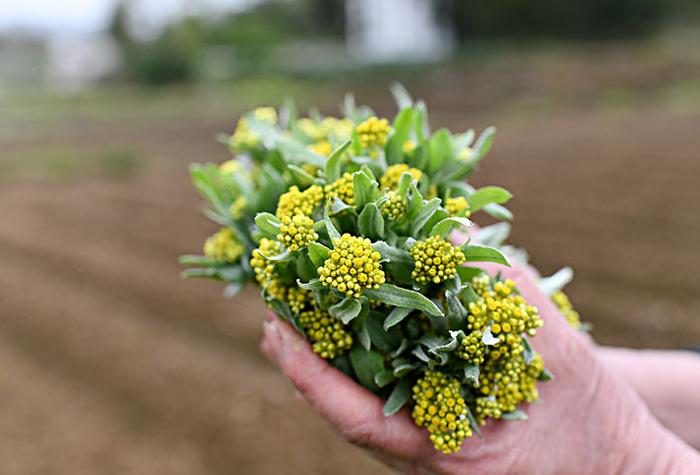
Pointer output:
x,y
109,363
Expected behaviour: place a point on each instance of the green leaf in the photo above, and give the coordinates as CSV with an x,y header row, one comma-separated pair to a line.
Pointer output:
x,y
313,284
440,150
364,189
268,224
498,212
471,374
366,363
332,231
401,95
468,273
209,273
370,222
488,195
385,340
516,415
446,226
333,163
338,206
425,213
456,312
346,310
396,316
201,261
404,182
462,141
318,253
545,375
402,130
403,369
448,345
484,254
494,235
554,283
481,148
301,174
281,309
399,396
399,297
384,378
392,254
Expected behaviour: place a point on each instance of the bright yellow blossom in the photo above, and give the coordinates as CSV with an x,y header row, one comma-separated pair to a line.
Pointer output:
x,y
342,188
439,407
297,232
328,337
296,202
457,206
392,175
373,131
223,247
395,206
436,260
352,266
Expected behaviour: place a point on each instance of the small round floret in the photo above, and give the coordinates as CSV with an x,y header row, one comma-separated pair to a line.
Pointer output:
x,y
352,266
223,247
297,232
436,260
373,131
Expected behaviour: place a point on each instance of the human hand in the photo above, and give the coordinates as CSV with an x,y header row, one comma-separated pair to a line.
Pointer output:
x,y
589,421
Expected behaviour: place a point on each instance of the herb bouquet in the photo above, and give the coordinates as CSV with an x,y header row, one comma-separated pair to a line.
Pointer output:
x,y
344,224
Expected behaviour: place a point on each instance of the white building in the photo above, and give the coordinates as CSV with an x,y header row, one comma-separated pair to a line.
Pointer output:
x,y
391,31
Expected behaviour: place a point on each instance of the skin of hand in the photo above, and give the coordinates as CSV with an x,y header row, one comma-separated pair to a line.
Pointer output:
x,y
588,422
667,381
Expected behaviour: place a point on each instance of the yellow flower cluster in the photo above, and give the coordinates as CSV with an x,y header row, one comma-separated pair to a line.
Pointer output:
x,y
264,269
230,167
561,300
392,175
436,260
297,232
322,147
408,146
352,266
342,189
457,206
238,207
223,247
373,131
440,408
297,298
296,202
243,137
505,384
329,128
505,313
472,348
395,206
328,337
506,378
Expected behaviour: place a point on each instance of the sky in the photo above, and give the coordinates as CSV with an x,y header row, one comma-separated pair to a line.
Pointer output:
x,y
86,16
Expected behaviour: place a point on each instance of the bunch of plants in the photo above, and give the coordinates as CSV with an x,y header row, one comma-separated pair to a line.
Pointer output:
x,y
345,225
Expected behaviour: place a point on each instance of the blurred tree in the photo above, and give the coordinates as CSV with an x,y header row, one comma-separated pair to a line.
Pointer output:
x,y
556,18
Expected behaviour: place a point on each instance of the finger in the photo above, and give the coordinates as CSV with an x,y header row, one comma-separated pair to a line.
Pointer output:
x,y
354,411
